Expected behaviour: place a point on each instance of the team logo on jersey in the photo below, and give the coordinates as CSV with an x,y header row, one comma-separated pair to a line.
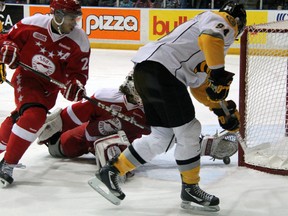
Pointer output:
x,y
64,46
43,64
109,126
40,36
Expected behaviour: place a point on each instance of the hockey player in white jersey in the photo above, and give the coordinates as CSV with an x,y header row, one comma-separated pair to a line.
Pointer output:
x,y
163,71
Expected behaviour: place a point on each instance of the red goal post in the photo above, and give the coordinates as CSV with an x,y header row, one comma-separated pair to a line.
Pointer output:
x,y
263,99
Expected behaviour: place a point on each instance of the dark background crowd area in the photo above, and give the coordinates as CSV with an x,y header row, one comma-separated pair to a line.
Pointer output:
x,y
194,4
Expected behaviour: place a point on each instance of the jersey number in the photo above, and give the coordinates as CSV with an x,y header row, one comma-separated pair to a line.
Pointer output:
x,y
221,26
86,62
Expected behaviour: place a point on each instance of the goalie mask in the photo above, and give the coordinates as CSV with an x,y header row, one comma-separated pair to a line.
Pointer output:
x,y
237,11
129,90
66,14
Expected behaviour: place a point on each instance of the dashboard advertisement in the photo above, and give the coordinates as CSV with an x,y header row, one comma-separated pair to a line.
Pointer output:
x,y
131,27
104,23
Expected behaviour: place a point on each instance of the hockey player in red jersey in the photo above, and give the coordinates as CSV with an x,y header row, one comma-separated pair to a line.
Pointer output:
x,y
85,127
55,46
71,132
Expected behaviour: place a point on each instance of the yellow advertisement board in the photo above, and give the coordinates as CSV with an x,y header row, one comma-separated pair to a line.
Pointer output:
x,y
162,22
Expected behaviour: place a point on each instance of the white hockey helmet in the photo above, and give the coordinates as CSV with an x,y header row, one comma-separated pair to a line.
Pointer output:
x,y
129,90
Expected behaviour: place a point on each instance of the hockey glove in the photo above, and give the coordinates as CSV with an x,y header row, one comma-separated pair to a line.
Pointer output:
x,y
218,84
219,146
9,54
230,122
74,91
2,73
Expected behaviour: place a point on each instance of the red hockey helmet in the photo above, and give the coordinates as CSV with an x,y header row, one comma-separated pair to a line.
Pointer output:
x,y
66,6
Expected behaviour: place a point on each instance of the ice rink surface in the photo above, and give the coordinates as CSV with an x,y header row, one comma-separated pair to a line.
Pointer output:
x,y
58,187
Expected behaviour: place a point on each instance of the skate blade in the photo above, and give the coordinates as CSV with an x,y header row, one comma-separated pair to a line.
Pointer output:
x,y
187,205
3,183
95,183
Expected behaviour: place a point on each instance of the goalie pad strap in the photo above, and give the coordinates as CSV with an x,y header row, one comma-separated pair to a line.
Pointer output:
x,y
55,150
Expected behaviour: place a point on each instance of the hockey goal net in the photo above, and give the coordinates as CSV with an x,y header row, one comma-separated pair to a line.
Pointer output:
x,y
263,103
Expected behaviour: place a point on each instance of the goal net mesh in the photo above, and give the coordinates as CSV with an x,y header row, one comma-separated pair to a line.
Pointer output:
x,y
264,51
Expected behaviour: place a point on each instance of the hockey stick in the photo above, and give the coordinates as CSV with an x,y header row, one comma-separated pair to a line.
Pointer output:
x,y
61,85
113,112
9,83
246,150
238,135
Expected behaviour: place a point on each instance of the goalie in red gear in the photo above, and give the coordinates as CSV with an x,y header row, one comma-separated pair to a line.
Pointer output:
x,y
53,45
79,128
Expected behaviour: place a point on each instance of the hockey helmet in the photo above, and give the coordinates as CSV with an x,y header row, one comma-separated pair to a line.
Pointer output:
x,y
129,90
237,11
71,7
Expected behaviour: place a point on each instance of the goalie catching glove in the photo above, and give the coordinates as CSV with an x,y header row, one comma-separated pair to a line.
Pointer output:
x,y
9,54
230,122
74,91
2,73
219,146
219,82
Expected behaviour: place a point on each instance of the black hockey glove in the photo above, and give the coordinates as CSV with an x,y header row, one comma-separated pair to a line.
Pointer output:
x,y
219,84
230,122
2,73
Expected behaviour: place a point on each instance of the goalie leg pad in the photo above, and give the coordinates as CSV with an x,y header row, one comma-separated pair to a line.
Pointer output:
x,y
108,147
53,124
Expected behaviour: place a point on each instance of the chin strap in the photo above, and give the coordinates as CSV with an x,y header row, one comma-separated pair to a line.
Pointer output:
x,y
61,15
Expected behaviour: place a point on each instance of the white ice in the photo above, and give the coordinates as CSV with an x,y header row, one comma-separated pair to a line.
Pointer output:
x,y
58,187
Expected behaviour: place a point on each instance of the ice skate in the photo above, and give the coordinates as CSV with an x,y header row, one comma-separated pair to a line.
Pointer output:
x,y
109,176
193,193
6,171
